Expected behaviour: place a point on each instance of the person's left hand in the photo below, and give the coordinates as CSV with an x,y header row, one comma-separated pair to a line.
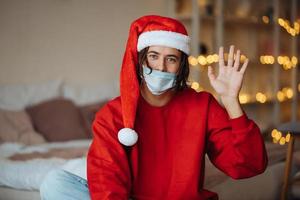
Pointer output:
x,y
229,80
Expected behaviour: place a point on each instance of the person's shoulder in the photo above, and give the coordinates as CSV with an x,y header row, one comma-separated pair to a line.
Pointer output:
x,y
112,107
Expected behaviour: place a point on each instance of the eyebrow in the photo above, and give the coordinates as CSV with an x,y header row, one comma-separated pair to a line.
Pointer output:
x,y
170,55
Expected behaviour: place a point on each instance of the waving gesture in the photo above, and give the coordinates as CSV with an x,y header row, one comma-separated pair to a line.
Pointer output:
x,y
229,80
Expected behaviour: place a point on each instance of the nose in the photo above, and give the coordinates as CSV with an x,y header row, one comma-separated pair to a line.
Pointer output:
x,y
162,65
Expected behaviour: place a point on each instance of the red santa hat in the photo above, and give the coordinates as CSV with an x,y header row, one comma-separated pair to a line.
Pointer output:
x,y
144,32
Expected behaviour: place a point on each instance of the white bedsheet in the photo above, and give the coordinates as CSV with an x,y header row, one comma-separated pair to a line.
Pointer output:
x,y
30,174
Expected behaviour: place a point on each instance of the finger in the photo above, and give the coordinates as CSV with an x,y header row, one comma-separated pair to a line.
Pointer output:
x,y
230,56
237,60
211,74
221,56
244,67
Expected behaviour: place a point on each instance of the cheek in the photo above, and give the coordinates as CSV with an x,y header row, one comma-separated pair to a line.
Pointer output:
x,y
173,68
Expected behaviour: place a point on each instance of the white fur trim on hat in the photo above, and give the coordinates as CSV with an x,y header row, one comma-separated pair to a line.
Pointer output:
x,y
164,38
127,136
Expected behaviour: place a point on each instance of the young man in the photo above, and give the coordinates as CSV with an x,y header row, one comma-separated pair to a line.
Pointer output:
x,y
150,143
173,126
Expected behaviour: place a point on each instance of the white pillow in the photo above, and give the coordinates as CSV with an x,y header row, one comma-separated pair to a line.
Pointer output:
x,y
17,97
85,94
27,174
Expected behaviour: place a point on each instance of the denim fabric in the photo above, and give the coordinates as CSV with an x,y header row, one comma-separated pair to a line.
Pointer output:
x,y
62,185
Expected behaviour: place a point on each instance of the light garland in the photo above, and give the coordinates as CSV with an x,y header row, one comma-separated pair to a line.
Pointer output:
x,y
286,25
210,59
279,138
260,97
286,62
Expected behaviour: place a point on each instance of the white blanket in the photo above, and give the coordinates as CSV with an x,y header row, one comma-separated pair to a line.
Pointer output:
x,y
30,174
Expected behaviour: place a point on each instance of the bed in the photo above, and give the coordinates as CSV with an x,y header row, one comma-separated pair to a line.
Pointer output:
x,y
24,167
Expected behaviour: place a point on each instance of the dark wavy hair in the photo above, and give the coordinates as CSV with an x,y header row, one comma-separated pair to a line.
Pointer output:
x,y
183,73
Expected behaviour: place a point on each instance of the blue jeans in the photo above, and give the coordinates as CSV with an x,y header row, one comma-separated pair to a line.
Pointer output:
x,y
60,184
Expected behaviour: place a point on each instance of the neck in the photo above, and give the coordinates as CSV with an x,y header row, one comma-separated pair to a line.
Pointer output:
x,y
156,100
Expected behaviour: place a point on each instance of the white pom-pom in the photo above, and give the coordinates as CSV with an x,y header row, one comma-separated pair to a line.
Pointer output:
x,y
127,136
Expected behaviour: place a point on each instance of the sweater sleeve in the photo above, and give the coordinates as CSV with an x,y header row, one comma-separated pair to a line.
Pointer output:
x,y
235,146
108,171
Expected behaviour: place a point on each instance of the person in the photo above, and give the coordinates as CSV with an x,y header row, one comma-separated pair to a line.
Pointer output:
x,y
150,143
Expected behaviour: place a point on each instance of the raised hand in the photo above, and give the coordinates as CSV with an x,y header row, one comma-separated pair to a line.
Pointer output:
x,y
229,80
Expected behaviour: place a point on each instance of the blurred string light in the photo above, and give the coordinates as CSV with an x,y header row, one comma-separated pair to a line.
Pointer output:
x,y
192,60
286,25
284,94
279,138
265,19
210,59
260,97
267,59
285,61
244,98
196,86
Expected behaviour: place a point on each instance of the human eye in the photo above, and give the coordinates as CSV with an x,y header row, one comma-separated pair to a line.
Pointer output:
x,y
171,60
153,56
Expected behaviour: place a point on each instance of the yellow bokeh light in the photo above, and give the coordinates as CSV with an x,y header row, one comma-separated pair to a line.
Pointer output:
x,y
286,60
274,133
299,87
282,141
266,59
271,59
244,98
288,137
265,19
202,60
260,97
280,96
294,60
210,59
280,21
192,60
262,60
278,135
195,85
243,58
286,25
289,93
296,25
280,60
293,32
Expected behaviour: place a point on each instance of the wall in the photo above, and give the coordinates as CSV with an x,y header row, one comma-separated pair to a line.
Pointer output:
x,y
81,42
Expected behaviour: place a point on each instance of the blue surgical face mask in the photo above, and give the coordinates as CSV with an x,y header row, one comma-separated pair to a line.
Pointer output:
x,y
158,82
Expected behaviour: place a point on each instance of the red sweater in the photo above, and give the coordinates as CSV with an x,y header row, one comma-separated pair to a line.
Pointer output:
x,y
167,163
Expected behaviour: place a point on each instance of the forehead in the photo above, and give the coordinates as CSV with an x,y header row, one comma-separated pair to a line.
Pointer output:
x,y
164,50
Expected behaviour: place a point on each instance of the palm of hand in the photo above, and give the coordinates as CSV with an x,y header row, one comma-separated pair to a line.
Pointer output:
x,y
229,80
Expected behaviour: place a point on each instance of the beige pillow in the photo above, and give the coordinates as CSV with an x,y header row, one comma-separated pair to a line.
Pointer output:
x,y
15,126
58,120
